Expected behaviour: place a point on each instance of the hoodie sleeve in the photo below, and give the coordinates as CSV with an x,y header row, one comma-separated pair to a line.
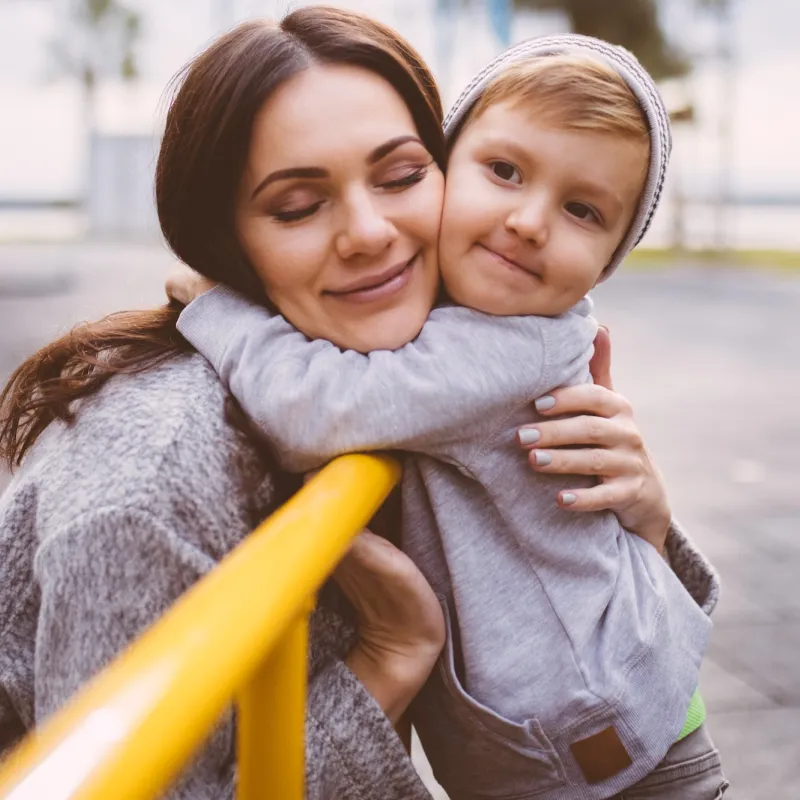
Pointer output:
x,y
313,401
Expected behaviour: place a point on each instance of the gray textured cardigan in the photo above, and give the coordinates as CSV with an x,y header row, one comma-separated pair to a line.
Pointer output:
x,y
109,520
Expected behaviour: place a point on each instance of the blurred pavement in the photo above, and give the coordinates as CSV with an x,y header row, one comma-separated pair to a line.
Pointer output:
x,y
709,359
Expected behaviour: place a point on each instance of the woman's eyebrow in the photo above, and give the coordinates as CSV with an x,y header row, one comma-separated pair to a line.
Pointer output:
x,y
384,149
292,172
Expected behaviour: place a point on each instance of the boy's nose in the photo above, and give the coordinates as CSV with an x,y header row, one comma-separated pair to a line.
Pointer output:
x,y
530,221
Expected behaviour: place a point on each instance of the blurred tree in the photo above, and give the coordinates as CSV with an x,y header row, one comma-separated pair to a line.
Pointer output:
x,y
631,23
97,40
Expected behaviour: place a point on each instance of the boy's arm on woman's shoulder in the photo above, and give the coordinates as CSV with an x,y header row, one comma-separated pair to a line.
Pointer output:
x,y
314,401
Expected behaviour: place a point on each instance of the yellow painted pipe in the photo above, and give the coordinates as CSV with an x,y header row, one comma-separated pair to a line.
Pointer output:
x,y
131,730
271,724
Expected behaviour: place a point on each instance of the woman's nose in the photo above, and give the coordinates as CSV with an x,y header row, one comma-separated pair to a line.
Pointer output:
x,y
365,230
530,221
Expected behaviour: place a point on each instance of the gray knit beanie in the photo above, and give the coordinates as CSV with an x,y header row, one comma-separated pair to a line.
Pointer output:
x,y
642,86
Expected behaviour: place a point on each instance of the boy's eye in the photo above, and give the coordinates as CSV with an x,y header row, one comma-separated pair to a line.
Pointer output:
x,y
582,211
505,171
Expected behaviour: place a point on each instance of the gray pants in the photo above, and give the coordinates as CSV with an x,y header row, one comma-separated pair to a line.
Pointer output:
x,y
691,770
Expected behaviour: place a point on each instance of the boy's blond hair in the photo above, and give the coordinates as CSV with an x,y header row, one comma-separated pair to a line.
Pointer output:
x,y
573,92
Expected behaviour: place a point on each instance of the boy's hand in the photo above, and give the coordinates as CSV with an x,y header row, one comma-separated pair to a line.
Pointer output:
x,y
184,284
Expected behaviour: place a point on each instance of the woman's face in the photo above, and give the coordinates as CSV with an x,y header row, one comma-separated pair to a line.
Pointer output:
x,y
339,208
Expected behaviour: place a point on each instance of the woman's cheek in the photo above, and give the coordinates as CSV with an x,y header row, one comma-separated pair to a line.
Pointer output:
x,y
294,260
429,206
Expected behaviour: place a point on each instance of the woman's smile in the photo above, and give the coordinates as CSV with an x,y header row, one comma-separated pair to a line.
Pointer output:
x,y
378,287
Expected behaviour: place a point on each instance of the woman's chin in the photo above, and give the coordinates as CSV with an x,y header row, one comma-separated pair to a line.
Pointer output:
x,y
385,332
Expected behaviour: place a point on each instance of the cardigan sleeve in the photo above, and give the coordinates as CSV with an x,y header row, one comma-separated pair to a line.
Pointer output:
x,y
693,569
109,575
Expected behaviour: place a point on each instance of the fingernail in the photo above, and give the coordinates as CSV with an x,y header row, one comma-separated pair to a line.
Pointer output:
x,y
528,435
567,498
545,403
542,459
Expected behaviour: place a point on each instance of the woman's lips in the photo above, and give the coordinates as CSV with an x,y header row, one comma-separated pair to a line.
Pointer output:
x,y
396,280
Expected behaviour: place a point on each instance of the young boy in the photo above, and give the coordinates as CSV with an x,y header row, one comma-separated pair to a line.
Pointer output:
x,y
573,651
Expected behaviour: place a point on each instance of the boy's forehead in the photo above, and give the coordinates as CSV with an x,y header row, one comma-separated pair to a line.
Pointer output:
x,y
598,163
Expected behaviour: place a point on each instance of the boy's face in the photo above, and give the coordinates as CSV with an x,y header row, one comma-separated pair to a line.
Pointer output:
x,y
533,213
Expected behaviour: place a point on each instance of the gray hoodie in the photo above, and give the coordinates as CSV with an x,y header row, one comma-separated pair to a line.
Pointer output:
x,y
574,650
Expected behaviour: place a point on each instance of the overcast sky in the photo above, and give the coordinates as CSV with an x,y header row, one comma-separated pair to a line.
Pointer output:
x,y
40,133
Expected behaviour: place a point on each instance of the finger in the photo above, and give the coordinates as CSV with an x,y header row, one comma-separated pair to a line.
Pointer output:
x,y
356,575
583,398
579,431
600,364
367,552
603,497
373,560
178,279
606,463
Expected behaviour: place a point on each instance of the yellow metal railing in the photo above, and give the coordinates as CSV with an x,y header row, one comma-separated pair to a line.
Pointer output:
x,y
239,634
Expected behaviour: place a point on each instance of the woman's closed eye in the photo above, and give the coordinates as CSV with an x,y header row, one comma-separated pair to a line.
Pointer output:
x,y
295,214
296,203
582,211
409,177
506,172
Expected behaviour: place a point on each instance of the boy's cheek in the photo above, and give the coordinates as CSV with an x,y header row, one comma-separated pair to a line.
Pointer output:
x,y
462,209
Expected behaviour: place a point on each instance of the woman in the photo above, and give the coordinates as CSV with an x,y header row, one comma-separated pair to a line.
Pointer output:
x,y
137,481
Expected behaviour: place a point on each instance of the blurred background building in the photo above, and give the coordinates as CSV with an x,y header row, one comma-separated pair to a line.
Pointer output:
x,y
81,82
705,325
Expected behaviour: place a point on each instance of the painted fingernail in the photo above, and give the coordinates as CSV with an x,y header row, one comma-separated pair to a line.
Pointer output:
x,y
542,459
528,435
567,498
545,403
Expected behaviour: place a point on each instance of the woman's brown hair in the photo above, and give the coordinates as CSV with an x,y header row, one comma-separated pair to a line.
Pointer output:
x,y
200,164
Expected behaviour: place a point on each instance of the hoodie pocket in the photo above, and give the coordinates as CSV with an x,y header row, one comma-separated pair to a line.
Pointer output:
x,y
475,753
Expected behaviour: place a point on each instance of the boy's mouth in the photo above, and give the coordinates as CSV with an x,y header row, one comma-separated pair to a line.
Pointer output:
x,y
507,260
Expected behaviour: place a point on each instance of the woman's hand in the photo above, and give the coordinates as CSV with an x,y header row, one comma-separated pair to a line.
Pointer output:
x,y
184,284
400,622
601,423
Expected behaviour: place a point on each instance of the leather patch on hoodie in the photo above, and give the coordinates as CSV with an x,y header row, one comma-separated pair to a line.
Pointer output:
x,y
601,756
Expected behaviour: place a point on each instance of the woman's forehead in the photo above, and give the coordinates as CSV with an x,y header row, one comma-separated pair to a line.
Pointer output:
x,y
329,108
